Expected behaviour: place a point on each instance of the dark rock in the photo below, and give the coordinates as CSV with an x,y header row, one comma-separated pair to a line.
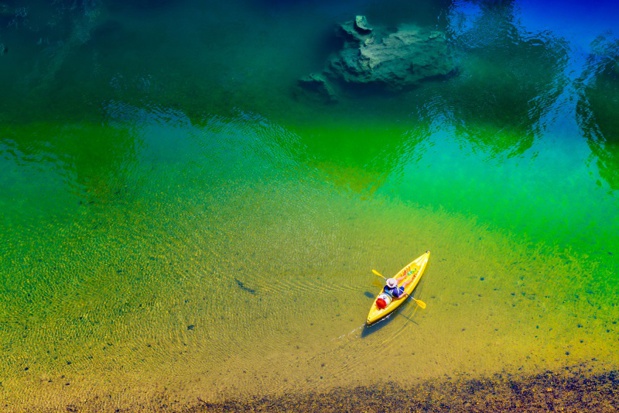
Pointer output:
x,y
243,287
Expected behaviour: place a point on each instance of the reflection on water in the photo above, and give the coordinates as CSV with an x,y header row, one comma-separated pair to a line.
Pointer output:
x,y
507,81
177,225
597,111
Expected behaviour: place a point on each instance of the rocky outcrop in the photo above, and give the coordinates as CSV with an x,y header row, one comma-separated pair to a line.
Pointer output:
x,y
395,61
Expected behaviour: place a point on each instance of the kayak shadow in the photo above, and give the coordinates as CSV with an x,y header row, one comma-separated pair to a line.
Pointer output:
x,y
371,329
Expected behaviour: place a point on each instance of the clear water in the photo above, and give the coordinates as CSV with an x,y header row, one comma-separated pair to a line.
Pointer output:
x,y
177,223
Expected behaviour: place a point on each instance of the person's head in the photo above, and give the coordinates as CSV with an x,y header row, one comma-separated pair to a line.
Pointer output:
x,y
392,283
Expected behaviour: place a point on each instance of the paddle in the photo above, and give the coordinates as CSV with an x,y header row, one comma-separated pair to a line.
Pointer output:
x,y
419,302
379,274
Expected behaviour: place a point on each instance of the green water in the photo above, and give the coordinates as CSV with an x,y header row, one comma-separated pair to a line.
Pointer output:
x,y
178,224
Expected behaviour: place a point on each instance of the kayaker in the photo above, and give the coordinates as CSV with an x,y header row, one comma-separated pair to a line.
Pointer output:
x,y
392,290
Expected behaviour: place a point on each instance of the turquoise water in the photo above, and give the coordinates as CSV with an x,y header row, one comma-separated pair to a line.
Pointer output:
x,y
179,222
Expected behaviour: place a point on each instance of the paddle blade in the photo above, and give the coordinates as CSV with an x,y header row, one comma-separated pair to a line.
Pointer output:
x,y
420,303
379,274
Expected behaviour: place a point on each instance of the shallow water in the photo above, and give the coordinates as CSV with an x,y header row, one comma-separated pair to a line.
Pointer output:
x,y
177,223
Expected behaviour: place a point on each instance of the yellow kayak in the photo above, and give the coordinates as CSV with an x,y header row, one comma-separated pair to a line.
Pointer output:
x,y
415,269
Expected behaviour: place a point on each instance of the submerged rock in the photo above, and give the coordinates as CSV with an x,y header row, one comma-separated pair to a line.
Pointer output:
x,y
361,24
355,32
316,85
398,61
395,61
